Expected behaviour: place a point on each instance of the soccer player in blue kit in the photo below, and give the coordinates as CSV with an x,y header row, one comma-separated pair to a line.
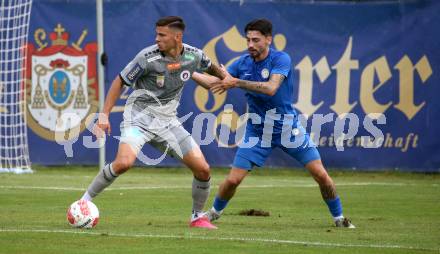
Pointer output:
x,y
266,75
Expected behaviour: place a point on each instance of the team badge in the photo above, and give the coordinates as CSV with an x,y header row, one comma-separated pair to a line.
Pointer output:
x,y
160,80
61,79
265,73
185,75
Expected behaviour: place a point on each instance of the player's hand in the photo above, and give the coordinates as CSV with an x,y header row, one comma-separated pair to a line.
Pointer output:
x,y
102,126
222,85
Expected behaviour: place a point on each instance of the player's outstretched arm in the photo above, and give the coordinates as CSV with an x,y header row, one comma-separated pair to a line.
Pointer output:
x,y
269,88
216,71
204,80
103,124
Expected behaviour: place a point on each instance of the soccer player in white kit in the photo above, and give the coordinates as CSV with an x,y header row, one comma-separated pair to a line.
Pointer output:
x,y
157,75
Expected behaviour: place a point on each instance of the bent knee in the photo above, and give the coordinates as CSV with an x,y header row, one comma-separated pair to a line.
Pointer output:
x,y
121,165
234,181
203,172
322,178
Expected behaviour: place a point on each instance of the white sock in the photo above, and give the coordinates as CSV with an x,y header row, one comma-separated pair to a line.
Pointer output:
x,y
340,217
214,210
200,193
87,196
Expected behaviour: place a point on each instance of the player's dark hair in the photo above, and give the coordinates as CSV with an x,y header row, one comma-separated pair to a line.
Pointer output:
x,y
263,26
172,21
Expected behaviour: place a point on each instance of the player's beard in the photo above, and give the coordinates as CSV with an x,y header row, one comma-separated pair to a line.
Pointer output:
x,y
254,53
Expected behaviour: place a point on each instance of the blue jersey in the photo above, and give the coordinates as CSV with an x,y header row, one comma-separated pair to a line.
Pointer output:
x,y
277,62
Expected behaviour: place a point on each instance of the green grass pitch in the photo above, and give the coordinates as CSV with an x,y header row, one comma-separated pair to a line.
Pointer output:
x,y
147,211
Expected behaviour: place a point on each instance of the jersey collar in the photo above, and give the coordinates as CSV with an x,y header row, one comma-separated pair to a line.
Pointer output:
x,y
180,56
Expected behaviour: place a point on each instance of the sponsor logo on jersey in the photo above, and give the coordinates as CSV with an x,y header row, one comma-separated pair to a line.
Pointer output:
x,y
173,66
189,57
134,73
154,58
265,73
185,75
61,82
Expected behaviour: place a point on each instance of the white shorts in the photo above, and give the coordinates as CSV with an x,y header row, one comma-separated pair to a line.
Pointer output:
x,y
165,134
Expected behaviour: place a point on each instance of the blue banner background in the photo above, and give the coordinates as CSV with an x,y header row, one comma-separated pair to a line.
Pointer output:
x,y
315,30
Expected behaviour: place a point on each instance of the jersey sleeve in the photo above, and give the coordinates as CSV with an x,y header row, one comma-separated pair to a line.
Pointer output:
x,y
134,70
281,64
204,61
233,68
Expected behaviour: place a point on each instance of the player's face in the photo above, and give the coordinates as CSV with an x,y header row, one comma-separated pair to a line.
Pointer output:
x,y
258,44
166,38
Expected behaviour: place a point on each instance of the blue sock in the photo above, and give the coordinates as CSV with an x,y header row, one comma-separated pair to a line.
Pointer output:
x,y
335,206
219,204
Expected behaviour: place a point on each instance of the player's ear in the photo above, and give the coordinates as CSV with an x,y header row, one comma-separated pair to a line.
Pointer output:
x,y
269,39
178,35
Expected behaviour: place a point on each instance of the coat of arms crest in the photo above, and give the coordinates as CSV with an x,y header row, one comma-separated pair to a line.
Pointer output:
x,y
60,79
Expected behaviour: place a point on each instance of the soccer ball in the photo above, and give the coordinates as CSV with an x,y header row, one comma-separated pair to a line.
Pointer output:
x,y
82,214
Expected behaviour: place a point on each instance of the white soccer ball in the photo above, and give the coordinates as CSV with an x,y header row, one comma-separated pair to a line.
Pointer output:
x,y
83,214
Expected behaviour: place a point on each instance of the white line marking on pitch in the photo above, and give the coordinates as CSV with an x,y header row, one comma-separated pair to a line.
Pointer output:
x,y
263,240
188,186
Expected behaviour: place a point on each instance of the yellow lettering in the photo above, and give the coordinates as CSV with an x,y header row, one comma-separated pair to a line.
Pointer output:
x,y
331,140
305,91
228,121
322,141
407,142
358,141
232,39
406,84
279,41
388,141
339,142
201,98
414,144
368,88
343,66
235,42
378,142
399,142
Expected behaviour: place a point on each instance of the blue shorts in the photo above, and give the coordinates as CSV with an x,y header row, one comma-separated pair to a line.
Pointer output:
x,y
298,145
